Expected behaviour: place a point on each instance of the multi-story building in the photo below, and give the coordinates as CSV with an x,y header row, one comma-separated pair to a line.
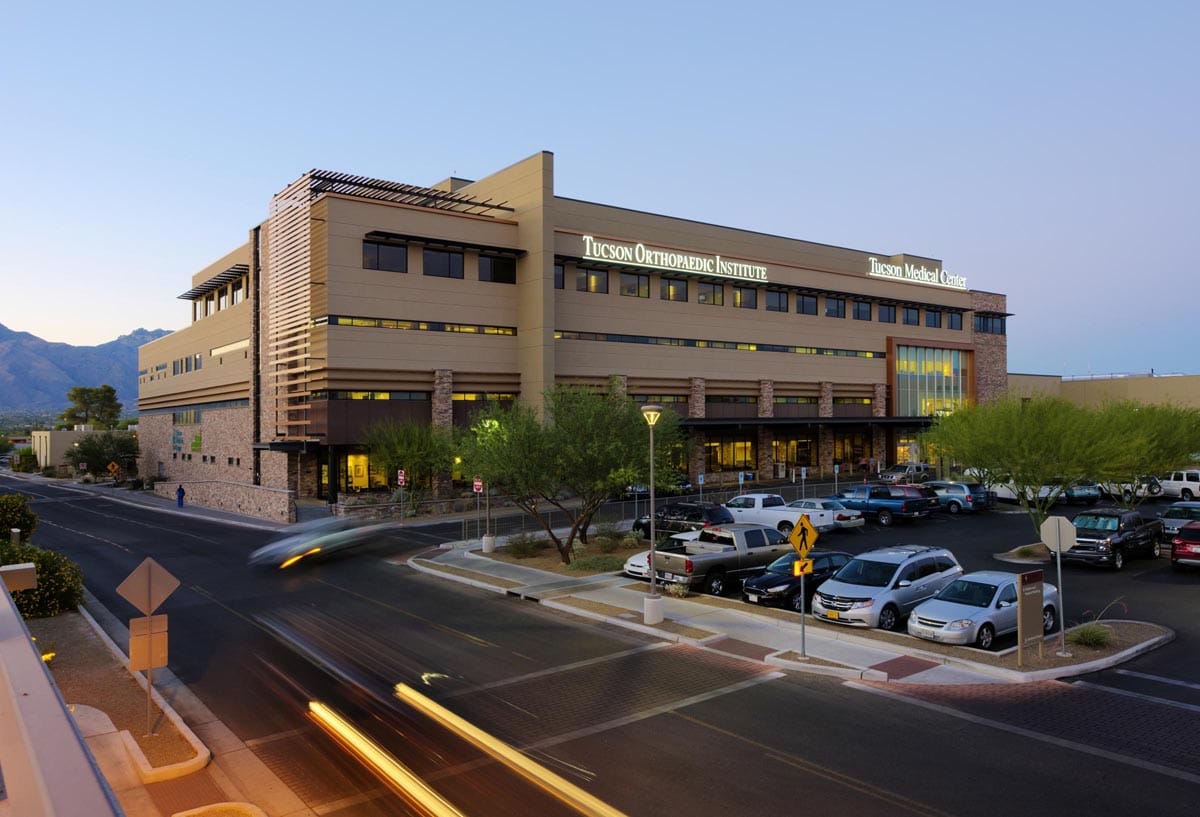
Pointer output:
x,y
359,300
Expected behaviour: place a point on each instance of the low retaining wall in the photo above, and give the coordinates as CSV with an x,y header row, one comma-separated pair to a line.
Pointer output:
x,y
276,504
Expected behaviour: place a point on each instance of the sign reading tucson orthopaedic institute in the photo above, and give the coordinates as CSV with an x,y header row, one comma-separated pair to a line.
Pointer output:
x,y
640,255
916,274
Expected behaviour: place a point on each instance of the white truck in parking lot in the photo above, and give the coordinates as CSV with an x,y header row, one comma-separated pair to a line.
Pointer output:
x,y
772,510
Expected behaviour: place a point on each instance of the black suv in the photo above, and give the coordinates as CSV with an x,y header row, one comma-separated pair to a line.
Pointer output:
x,y
678,517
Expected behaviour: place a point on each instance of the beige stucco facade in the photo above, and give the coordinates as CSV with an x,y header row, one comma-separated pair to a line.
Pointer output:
x,y
1179,390
777,352
51,447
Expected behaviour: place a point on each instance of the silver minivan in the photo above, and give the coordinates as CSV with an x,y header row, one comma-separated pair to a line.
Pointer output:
x,y
880,587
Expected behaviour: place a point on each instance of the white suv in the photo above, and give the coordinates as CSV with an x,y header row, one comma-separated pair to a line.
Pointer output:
x,y
1183,484
880,587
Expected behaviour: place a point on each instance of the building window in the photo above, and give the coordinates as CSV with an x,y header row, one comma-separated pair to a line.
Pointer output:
x,y
711,294
443,264
777,300
388,257
558,276
730,452
210,304
635,285
954,320
806,304
933,318
745,297
862,311
912,316
886,313
989,325
591,280
237,293
930,381
674,289
835,307
497,269
222,298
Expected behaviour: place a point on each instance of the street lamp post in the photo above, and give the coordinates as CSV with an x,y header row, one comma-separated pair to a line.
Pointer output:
x,y
652,608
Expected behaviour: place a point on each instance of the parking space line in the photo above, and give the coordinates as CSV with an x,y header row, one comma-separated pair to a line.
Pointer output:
x,y
1159,678
1139,695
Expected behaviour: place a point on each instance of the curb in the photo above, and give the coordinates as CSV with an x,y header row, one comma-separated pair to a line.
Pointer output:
x,y
245,809
146,772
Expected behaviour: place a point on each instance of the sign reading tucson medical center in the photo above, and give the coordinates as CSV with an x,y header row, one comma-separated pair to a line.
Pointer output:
x,y
671,260
916,274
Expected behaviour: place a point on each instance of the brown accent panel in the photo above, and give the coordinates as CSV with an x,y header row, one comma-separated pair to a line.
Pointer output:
x,y
796,409
342,422
851,410
734,411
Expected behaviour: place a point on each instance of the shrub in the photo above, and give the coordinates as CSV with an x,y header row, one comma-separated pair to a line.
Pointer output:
x,y
679,591
59,581
50,471
526,546
24,461
15,513
1091,634
1027,551
606,530
633,541
598,564
607,544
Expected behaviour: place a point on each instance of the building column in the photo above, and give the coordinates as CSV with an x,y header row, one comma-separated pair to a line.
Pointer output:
x,y
618,385
696,437
766,434
442,419
825,450
879,434
696,408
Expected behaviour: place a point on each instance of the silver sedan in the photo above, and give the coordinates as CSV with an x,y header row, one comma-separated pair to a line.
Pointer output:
x,y
976,608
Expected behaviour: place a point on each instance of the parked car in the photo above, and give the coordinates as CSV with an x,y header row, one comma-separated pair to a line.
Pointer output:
x,y
681,485
880,587
977,607
907,472
1185,547
720,557
828,513
957,497
1142,487
1084,493
676,517
1107,536
779,586
766,509
318,539
887,503
1178,515
637,566
1183,484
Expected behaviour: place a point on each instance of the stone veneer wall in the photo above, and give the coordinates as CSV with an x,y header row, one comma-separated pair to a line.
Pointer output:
x,y
443,398
239,497
766,434
991,351
696,399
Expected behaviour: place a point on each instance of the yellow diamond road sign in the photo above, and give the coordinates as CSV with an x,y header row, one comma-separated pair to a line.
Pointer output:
x,y
113,468
803,536
148,586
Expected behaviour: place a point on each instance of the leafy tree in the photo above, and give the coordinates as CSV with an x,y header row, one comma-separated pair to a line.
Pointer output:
x,y
5,446
590,446
92,406
1141,441
97,450
421,450
15,513
1027,443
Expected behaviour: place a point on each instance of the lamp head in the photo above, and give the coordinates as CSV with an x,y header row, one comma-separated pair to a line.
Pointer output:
x,y
651,413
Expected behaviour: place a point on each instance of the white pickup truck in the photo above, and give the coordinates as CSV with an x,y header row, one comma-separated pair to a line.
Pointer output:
x,y
772,510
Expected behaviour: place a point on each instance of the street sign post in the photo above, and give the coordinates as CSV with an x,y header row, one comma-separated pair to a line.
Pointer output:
x,y
400,487
700,482
802,538
477,486
1029,613
146,588
1059,534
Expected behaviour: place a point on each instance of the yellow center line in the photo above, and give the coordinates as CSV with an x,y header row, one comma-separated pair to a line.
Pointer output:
x,y
826,773
429,622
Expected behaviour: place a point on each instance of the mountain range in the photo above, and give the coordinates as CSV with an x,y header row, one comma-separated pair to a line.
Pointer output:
x,y
36,374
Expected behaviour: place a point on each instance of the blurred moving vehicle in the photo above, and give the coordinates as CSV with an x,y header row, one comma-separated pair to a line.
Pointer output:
x,y
956,497
319,538
778,586
976,608
1185,547
828,513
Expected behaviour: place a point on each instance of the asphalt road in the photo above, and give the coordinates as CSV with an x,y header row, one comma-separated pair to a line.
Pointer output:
x,y
650,728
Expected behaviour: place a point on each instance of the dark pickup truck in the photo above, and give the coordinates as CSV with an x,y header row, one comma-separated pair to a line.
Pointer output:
x,y
1108,536
887,503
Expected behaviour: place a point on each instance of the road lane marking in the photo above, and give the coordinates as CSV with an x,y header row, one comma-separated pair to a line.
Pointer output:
x,y
1139,695
117,545
1159,678
827,773
392,608
1028,733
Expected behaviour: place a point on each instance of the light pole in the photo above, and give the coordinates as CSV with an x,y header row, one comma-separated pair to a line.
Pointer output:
x,y
652,607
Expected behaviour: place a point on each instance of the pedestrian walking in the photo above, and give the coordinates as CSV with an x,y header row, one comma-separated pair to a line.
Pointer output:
x,y
179,494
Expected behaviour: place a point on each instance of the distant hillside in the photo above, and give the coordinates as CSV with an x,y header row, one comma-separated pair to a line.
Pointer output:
x,y
36,374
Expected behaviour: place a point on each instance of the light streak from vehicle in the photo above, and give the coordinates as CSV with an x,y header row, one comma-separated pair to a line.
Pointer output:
x,y
298,557
390,769
525,766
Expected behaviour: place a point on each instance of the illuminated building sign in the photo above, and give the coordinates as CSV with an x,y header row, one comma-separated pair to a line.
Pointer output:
x,y
639,255
916,274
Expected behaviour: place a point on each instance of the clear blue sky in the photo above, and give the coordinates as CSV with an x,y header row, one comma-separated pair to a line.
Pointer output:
x,y
1044,150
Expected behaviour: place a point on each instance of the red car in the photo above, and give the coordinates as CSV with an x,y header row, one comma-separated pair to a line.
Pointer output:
x,y
1185,547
